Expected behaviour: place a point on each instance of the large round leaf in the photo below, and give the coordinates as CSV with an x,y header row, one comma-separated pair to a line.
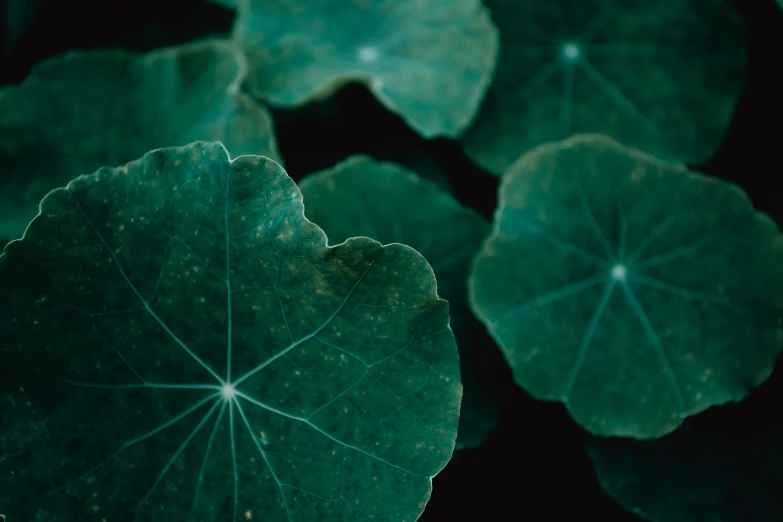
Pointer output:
x,y
729,469
384,201
180,343
430,61
81,111
662,76
634,291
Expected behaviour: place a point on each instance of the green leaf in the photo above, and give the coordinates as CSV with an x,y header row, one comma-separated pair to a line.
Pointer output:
x,y
660,76
84,110
634,291
183,345
429,61
719,472
384,201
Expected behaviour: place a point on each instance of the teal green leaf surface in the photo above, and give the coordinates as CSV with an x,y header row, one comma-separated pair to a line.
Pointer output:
x,y
635,291
660,76
180,343
703,472
388,203
429,61
84,110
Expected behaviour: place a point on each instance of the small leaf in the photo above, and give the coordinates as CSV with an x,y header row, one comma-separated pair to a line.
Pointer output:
x,y
660,76
388,203
429,61
84,110
634,291
186,346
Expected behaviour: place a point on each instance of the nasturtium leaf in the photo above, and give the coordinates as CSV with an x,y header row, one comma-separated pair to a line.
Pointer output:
x,y
185,346
388,203
84,110
429,61
661,76
633,290
727,473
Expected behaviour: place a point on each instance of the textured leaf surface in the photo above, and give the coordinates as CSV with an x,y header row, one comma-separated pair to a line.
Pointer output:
x,y
730,472
429,61
388,203
84,110
660,76
634,291
181,344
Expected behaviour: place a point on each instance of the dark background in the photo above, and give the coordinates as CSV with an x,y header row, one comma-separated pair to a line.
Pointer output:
x,y
533,467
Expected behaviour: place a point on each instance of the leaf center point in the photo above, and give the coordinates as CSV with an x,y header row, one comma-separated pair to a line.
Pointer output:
x,y
368,54
619,272
571,51
228,391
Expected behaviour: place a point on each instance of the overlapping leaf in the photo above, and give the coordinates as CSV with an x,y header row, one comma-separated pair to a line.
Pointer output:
x,y
180,343
84,110
430,61
634,291
388,203
660,76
